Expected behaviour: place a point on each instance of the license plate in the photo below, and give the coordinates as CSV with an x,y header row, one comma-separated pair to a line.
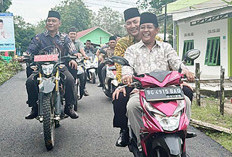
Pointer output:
x,y
166,93
45,58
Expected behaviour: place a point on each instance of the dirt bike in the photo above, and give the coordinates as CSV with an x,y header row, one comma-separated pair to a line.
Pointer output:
x,y
51,92
110,82
164,112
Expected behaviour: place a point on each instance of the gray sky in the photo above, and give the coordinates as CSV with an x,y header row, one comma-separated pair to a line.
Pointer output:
x,y
35,10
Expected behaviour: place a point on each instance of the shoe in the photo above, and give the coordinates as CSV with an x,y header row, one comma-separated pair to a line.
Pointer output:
x,y
86,92
100,85
33,114
191,134
123,139
70,112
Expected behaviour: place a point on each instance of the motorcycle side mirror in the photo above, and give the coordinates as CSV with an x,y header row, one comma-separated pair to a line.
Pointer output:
x,y
120,60
192,54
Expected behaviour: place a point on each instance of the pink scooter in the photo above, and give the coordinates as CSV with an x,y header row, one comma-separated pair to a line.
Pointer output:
x,y
164,112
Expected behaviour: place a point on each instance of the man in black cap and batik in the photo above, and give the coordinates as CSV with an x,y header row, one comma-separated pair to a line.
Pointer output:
x,y
48,41
146,56
132,20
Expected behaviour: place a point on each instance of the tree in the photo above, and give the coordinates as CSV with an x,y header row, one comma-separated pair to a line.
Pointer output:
x,y
4,5
74,13
154,4
109,20
23,33
158,6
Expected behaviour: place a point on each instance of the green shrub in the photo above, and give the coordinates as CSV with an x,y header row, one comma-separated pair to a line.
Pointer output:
x,y
7,70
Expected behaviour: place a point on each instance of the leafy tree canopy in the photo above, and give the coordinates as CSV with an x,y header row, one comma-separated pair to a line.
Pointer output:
x,y
6,4
109,20
23,33
153,4
74,13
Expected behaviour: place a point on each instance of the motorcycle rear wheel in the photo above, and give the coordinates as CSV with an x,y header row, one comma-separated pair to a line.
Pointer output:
x,y
48,122
76,96
93,78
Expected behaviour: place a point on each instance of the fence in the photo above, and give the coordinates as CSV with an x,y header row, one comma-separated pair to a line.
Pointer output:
x,y
220,81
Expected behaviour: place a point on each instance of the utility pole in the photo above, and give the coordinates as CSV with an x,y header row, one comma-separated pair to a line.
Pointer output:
x,y
165,21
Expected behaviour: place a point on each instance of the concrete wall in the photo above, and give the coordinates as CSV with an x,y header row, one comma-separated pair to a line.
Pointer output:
x,y
200,33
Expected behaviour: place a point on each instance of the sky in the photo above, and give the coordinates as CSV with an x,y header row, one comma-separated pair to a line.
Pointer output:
x,y
34,11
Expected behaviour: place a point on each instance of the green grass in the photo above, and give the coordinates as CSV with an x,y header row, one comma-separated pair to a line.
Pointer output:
x,y
7,70
209,112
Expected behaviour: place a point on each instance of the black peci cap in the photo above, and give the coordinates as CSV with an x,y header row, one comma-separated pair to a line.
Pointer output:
x,y
112,38
54,14
149,18
131,13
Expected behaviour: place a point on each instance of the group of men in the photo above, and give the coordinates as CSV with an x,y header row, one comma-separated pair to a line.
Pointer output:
x,y
141,47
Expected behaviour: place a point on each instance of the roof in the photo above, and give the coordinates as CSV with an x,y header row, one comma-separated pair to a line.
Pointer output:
x,y
87,31
182,9
181,4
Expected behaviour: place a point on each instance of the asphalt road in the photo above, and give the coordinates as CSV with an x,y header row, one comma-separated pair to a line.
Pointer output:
x,y
91,135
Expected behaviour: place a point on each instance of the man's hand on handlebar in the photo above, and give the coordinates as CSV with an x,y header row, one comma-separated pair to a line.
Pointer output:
x,y
190,76
127,79
73,64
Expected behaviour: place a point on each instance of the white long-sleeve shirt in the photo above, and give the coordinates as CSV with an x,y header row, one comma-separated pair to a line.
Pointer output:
x,y
161,57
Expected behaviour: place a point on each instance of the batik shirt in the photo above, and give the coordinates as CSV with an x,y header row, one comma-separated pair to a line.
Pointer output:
x,y
161,57
47,43
120,49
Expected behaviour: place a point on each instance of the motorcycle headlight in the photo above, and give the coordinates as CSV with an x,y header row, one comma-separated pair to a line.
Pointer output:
x,y
47,69
168,123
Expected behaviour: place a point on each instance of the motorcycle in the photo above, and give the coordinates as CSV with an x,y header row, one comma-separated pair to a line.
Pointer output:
x,y
164,112
51,91
80,78
91,68
110,82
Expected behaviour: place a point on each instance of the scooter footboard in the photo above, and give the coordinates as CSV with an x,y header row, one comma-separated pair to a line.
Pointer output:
x,y
170,143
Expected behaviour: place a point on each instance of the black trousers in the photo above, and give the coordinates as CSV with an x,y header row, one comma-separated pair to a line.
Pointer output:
x,y
119,105
99,72
33,89
83,79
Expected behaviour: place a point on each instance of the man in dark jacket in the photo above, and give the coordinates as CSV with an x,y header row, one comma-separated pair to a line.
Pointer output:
x,y
47,41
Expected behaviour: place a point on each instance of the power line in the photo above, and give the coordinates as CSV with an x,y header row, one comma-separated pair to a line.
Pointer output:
x,y
101,4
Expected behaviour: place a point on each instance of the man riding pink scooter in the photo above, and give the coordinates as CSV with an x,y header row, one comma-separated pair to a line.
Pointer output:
x,y
144,57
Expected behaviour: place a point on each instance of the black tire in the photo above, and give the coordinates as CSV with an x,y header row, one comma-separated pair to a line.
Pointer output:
x,y
48,122
107,92
57,124
160,152
76,96
93,78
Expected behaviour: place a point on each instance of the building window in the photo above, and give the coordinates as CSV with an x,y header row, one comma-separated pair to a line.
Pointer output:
x,y
188,45
212,56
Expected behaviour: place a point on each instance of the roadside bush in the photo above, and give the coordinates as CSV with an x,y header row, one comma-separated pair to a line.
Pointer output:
x,y
7,70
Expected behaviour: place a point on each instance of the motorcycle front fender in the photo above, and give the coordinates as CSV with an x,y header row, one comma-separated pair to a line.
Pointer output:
x,y
172,143
92,70
46,86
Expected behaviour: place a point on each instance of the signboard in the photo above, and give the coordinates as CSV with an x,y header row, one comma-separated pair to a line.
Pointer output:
x,y
7,40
